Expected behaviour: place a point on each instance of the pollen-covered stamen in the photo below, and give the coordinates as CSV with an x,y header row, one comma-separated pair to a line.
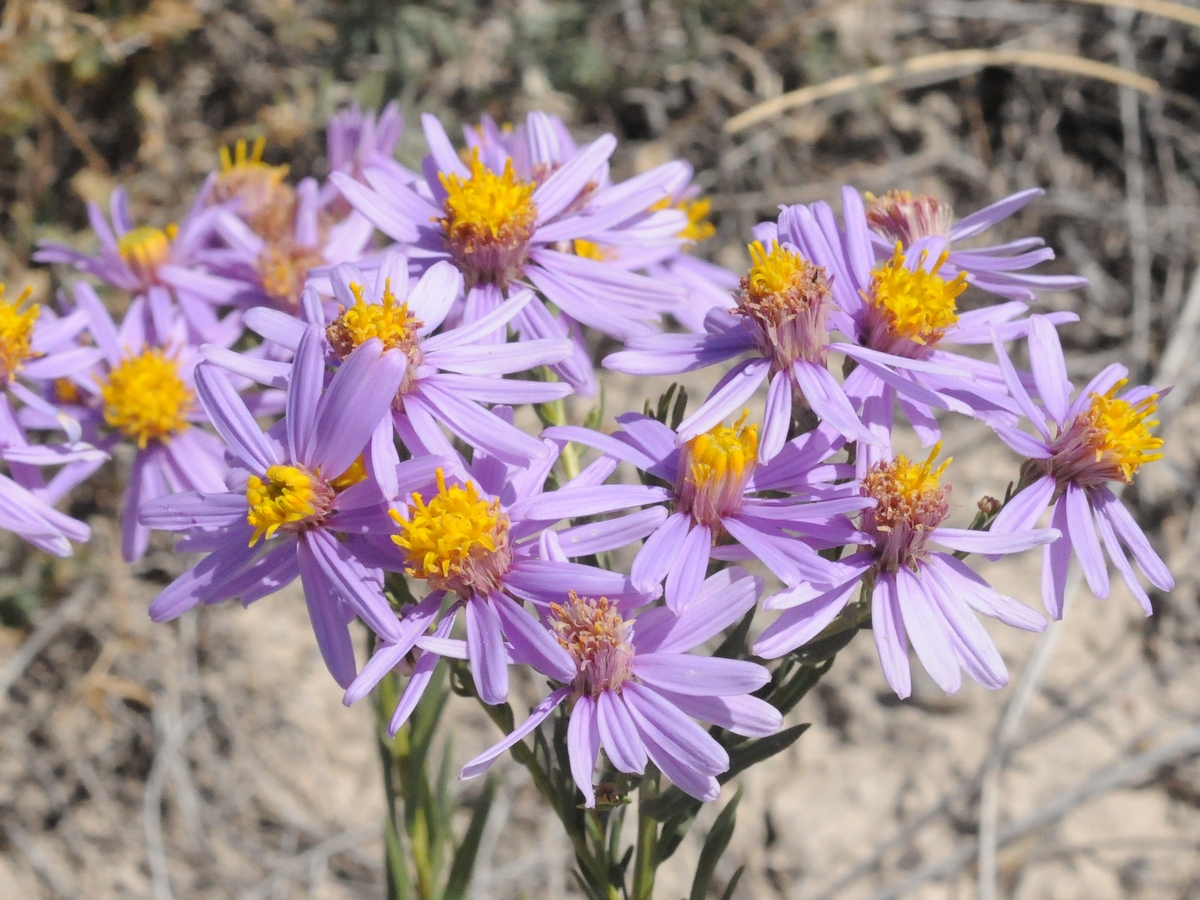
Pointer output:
x,y
16,334
144,249
714,468
1107,442
489,221
909,310
265,202
910,503
283,268
292,499
145,399
599,641
907,218
458,541
389,321
785,302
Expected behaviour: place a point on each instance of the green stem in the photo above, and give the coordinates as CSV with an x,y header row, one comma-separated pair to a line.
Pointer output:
x,y
399,886
520,751
645,860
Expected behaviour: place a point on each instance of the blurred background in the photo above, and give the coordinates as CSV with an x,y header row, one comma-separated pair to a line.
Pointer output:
x,y
212,757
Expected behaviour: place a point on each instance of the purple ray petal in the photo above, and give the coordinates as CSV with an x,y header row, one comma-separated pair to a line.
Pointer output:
x,y
485,644
583,747
891,640
356,585
480,763
980,596
1085,540
734,389
969,541
328,621
1026,507
927,631
777,418
746,716
658,554
533,642
304,393
232,420
1049,368
1148,561
177,512
798,625
558,191
1117,554
726,597
829,401
619,734
1056,560
687,572
705,676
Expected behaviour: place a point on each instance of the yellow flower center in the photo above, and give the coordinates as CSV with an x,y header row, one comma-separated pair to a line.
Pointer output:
x,y
290,498
715,467
1125,440
697,211
912,304
458,541
389,320
1109,441
785,301
598,639
489,221
144,249
266,202
16,334
283,268
910,502
145,399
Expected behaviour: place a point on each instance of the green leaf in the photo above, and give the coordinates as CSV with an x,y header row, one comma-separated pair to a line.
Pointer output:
x,y
399,887
463,866
675,828
714,845
733,883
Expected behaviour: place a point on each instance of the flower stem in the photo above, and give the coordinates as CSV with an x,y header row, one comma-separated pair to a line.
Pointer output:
x,y
645,861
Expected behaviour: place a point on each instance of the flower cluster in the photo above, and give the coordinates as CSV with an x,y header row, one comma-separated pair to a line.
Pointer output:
x,y
390,325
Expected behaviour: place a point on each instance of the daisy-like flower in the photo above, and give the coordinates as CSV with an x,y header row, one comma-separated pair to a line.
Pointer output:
x,y
258,191
901,315
714,489
634,688
293,501
449,374
26,500
908,219
272,269
38,350
470,540
156,265
142,392
1100,437
355,139
917,593
782,321
499,228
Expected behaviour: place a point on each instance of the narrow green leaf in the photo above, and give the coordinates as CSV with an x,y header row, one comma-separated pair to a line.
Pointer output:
x,y
714,845
680,408
733,883
463,866
399,887
675,828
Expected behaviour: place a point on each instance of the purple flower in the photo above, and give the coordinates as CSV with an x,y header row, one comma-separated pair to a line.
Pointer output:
x,y
634,689
160,265
714,486
1098,438
498,227
26,499
471,540
916,593
142,392
449,375
900,314
300,494
909,219
272,270
38,352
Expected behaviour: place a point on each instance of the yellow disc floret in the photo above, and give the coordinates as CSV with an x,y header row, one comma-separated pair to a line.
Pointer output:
x,y
16,334
697,211
145,399
489,220
144,249
773,273
1123,433
266,203
910,501
916,304
715,467
389,320
289,498
458,541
